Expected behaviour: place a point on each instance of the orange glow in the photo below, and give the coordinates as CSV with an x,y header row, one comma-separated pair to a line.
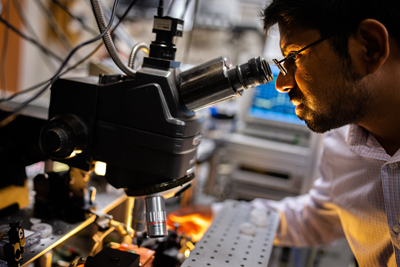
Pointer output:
x,y
193,224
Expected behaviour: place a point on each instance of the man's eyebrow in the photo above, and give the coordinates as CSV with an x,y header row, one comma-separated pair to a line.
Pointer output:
x,y
287,49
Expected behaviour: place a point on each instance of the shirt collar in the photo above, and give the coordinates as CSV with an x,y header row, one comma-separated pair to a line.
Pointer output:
x,y
356,135
360,141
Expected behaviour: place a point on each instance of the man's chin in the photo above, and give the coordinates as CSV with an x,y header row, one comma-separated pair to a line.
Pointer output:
x,y
317,125
322,126
317,128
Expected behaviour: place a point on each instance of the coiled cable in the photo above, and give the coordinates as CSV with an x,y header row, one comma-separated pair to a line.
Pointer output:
x,y
98,13
139,46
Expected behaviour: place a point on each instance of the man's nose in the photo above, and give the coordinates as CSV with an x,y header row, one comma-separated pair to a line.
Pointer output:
x,y
284,83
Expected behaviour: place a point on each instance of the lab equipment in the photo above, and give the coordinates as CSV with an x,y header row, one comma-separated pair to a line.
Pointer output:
x,y
143,125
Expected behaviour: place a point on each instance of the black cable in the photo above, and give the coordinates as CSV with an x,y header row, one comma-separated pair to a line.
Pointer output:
x,y
78,63
55,27
11,116
43,48
170,7
187,50
124,15
112,32
4,51
186,8
160,9
30,29
66,10
24,19
24,91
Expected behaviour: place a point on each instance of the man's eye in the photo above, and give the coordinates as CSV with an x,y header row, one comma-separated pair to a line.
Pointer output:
x,y
293,56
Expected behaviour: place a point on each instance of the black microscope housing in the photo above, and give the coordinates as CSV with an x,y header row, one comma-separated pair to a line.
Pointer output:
x,y
144,127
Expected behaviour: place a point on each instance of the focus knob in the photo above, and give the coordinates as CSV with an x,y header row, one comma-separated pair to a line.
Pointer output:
x,y
56,139
64,136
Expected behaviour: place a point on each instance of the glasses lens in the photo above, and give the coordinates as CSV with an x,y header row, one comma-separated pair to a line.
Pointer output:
x,y
280,66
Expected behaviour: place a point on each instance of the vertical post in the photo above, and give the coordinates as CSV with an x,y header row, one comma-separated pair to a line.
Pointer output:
x,y
129,209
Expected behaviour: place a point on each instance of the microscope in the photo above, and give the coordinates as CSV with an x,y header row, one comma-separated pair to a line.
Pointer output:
x,y
143,126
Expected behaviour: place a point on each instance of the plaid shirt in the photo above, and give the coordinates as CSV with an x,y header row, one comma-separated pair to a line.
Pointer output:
x,y
357,197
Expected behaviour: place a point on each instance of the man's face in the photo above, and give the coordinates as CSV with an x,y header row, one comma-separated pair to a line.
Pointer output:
x,y
327,90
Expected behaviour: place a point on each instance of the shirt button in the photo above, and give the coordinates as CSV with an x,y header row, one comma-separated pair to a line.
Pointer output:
x,y
396,228
393,165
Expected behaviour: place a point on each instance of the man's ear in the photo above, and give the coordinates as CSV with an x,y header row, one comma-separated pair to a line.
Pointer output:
x,y
372,40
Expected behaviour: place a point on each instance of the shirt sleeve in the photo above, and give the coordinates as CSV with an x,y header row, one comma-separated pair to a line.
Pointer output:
x,y
312,219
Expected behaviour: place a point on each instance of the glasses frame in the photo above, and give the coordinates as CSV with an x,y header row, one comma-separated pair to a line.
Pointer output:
x,y
279,63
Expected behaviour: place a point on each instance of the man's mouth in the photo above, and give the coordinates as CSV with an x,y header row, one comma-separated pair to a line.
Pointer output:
x,y
299,106
295,103
297,99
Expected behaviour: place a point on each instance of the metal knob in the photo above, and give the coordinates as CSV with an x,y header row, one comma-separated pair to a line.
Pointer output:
x,y
56,139
63,135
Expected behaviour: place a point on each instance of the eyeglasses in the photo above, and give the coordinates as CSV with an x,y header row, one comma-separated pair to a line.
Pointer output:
x,y
279,63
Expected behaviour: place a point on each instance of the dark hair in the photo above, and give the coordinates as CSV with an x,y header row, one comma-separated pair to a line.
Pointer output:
x,y
329,16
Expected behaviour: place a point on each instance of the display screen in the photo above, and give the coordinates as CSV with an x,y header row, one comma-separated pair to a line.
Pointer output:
x,y
269,104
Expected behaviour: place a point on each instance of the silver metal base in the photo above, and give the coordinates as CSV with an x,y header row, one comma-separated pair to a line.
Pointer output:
x,y
224,245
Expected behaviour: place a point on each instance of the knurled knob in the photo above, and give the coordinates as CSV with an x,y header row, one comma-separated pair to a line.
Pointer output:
x,y
56,139
63,135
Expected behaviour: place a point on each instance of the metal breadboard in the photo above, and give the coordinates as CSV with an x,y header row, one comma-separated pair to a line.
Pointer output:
x,y
225,245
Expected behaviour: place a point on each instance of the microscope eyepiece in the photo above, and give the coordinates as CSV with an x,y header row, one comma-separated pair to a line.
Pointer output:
x,y
216,81
255,72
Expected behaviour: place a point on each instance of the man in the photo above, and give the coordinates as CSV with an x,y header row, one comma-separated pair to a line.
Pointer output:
x,y
348,74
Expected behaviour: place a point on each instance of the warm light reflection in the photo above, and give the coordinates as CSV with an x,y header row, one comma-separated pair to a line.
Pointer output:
x,y
100,168
187,253
194,225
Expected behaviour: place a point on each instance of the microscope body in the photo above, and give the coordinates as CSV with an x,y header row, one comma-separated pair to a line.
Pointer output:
x,y
144,126
139,127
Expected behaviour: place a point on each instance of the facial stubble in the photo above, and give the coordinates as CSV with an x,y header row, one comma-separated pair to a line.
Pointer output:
x,y
347,105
